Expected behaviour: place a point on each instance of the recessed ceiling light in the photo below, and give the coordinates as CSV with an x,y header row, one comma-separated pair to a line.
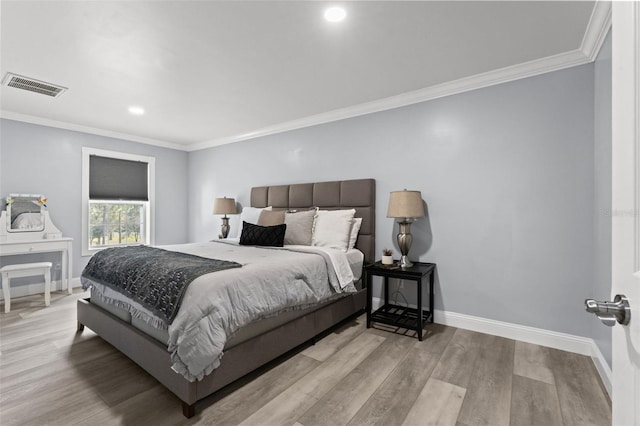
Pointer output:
x,y
335,14
136,110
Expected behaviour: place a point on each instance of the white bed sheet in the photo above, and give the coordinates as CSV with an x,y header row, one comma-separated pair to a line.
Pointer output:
x,y
355,257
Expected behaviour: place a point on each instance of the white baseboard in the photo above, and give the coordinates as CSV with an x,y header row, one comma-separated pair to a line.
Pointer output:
x,y
603,368
538,336
38,288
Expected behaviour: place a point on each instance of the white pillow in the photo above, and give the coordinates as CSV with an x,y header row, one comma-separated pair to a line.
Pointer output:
x,y
332,228
250,215
356,223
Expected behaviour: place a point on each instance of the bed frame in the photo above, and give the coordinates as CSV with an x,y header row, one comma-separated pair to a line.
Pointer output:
x,y
245,357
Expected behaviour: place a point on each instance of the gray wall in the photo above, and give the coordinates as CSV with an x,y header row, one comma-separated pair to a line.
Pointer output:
x,y
513,176
45,160
602,193
507,173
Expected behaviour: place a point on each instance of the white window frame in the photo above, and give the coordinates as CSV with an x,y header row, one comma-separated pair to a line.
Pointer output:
x,y
150,210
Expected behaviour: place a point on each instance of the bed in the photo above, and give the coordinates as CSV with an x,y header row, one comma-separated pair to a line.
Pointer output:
x,y
262,341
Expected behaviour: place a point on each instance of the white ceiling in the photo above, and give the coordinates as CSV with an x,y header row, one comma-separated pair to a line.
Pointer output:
x,y
214,72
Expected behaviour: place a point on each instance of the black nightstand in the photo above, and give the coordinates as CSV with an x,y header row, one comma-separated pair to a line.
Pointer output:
x,y
401,316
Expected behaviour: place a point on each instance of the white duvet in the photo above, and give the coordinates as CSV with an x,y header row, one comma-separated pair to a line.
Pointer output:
x,y
216,305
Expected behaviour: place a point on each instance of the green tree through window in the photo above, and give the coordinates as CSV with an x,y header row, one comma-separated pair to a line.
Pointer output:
x,y
116,223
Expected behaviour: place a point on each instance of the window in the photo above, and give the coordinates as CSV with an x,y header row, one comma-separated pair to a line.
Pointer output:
x,y
118,205
113,223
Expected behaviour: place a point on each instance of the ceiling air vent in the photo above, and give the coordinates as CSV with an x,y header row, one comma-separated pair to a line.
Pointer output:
x,y
32,85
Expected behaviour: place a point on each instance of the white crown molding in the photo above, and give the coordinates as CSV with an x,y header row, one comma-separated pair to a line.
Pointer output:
x,y
537,336
597,29
25,118
595,34
478,81
466,84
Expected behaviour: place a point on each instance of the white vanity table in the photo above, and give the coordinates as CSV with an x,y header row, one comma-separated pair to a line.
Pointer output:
x,y
45,240
63,245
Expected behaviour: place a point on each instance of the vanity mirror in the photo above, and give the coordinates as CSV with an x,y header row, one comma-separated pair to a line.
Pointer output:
x,y
25,212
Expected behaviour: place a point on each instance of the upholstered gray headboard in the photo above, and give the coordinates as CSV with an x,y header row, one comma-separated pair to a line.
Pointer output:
x,y
359,194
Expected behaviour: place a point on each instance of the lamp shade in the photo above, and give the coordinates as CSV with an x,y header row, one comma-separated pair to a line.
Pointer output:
x,y
405,204
224,206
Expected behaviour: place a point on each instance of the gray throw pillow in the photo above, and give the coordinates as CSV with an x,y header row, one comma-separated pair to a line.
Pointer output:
x,y
299,227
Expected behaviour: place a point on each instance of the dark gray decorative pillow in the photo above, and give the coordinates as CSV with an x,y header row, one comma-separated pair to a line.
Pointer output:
x,y
256,235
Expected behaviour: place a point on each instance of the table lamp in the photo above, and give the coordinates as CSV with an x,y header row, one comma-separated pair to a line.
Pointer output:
x,y
407,206
224,206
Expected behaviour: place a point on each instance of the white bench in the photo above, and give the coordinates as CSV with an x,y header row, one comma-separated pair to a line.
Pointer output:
x,y
25,270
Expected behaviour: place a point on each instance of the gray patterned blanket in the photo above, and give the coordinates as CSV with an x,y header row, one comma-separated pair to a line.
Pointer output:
x,y
153,277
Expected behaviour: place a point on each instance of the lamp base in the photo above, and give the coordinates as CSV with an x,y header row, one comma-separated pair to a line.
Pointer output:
x,y
405,262
225,228
404,242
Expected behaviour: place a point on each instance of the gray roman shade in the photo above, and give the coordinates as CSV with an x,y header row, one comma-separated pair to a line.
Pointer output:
x,y
117,179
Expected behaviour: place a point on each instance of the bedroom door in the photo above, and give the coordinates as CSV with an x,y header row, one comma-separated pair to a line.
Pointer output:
x,y
626,208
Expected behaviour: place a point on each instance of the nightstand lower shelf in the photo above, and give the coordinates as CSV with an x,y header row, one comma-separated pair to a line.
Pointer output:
x,y
399,316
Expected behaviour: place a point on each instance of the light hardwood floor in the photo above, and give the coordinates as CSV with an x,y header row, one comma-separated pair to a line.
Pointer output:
x,y
49,374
